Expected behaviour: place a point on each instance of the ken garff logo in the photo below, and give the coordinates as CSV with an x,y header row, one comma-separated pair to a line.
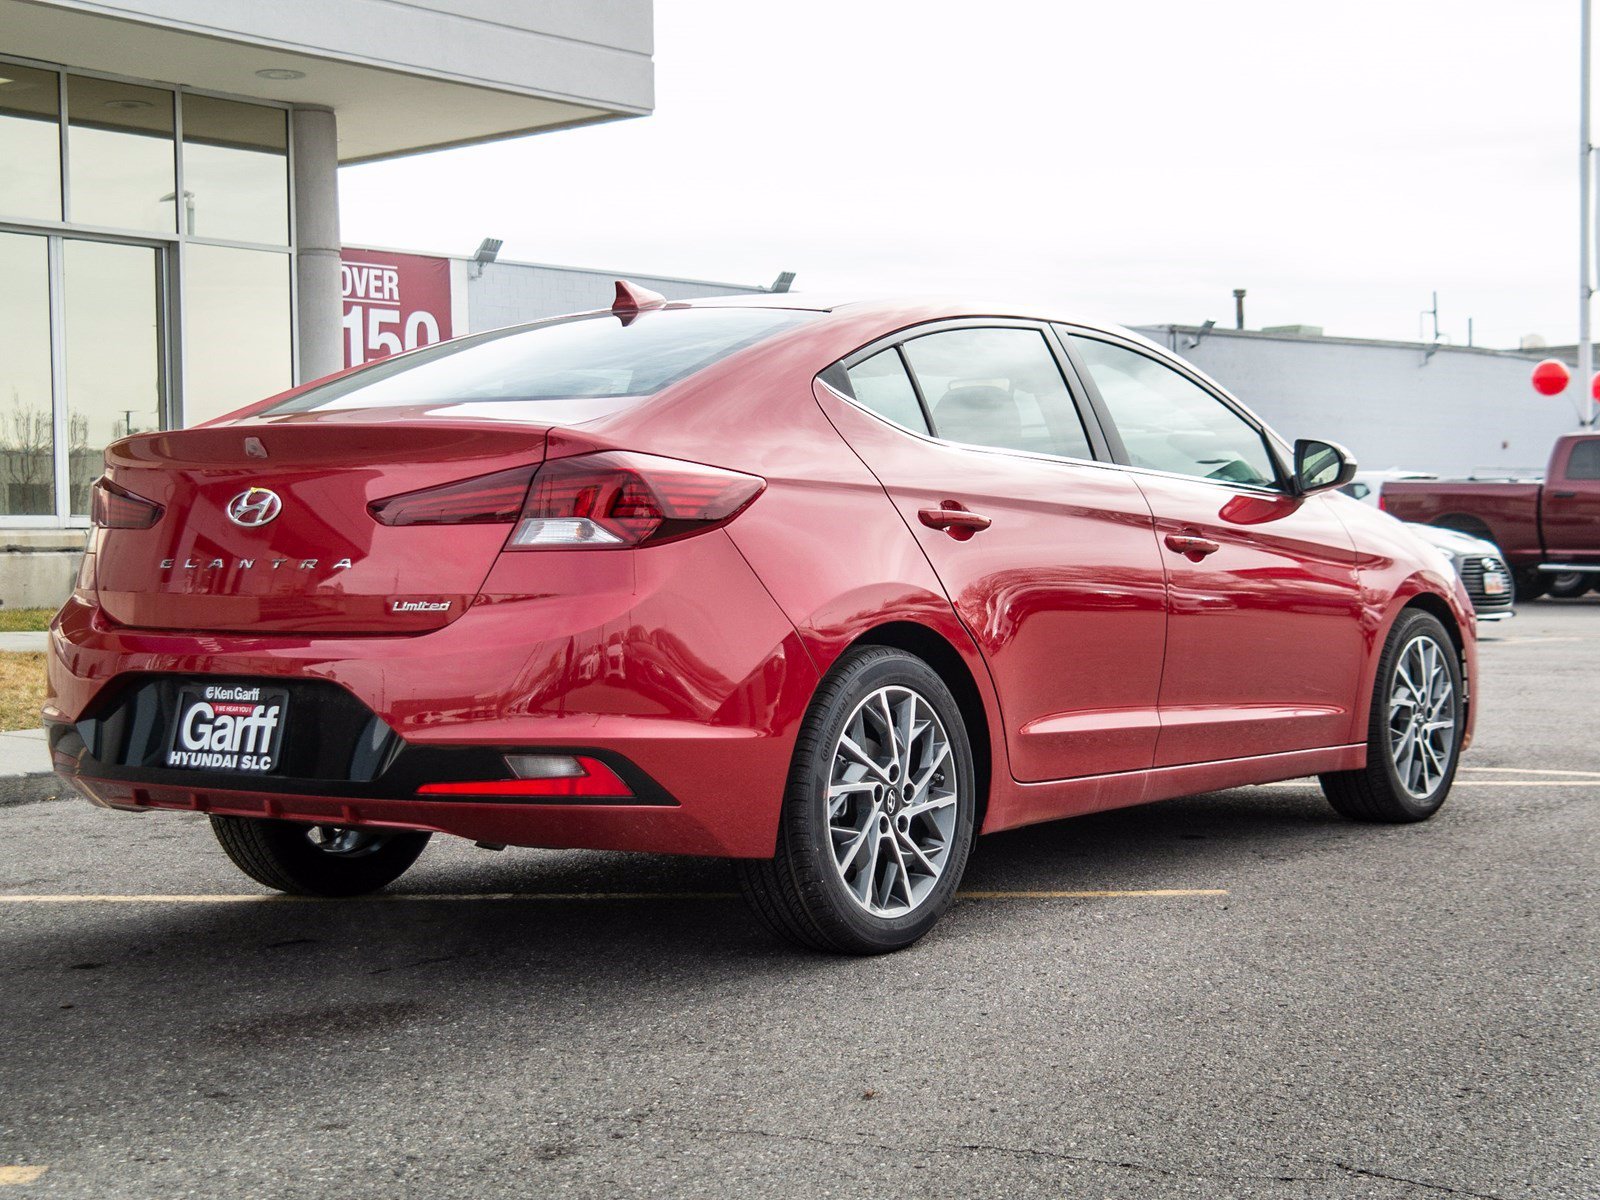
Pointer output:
x,y
254,506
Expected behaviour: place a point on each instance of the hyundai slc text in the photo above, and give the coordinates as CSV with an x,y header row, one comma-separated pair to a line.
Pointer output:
x,y
824,589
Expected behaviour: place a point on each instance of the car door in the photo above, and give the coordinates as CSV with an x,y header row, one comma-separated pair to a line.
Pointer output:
x,y
1265,645
1048,557
1570,507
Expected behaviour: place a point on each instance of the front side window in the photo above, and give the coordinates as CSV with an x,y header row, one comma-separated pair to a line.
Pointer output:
x,y
604,357
997,387
881,384
1170,423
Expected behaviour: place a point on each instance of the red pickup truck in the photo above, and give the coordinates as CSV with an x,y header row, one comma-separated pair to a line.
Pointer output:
x,y
1548,529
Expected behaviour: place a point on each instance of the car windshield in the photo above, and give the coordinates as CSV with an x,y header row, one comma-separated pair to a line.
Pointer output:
x,y
580,357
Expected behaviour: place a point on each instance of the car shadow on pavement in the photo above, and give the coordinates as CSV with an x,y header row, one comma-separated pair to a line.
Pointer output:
x,y
569,911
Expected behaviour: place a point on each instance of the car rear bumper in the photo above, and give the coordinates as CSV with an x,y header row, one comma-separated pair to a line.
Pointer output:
x,y
673,664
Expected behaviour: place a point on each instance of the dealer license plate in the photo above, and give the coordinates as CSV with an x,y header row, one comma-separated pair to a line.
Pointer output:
x,y
1495,584
229,727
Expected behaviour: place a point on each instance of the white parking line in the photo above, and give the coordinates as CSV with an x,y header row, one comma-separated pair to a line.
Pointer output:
x,y
16,1175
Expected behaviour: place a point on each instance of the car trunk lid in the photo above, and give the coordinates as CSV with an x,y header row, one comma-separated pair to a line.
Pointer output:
x,y
314,560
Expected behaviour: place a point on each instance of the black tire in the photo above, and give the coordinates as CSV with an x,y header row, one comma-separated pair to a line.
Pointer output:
x,y
1567,585
1377,792
1531,584
801,892
290,856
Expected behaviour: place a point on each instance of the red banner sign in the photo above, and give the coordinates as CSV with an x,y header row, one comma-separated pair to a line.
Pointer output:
x,y
392,302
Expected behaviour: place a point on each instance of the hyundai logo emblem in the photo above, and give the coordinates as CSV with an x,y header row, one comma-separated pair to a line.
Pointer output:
x,y
254,506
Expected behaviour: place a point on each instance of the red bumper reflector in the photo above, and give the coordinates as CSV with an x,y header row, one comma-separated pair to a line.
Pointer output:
x,y
598,781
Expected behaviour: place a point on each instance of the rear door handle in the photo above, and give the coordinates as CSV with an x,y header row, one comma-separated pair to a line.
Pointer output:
x,y
958,522
1192,547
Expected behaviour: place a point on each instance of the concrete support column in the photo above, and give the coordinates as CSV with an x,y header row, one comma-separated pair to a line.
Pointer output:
x,y
314,133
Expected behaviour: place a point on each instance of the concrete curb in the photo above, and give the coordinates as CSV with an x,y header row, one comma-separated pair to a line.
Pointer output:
x,y
31,789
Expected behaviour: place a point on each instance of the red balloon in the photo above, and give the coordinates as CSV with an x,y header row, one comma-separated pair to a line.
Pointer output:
x,y
1594,386
1550,377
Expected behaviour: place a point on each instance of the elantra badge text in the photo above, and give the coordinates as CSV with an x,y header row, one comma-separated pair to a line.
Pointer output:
x,y
249,564
254,506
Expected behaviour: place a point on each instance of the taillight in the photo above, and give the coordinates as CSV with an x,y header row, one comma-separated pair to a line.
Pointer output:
x,y
479,501
112,507
616,499
1383,505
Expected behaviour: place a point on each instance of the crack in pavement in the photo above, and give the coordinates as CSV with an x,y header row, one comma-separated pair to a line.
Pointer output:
x,y
994,1148
1432,1187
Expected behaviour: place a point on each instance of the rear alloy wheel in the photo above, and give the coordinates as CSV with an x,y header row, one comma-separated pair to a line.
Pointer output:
x,y
1414,734
878,818
318,860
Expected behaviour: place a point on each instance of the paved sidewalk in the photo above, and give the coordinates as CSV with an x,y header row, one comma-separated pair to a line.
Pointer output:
x,y
23,752
24,642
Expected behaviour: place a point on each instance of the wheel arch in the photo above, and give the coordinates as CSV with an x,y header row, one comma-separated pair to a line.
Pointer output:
x,y
1465,523
1437,606
935,650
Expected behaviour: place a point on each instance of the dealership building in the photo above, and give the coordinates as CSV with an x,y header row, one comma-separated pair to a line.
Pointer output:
x,y
169,226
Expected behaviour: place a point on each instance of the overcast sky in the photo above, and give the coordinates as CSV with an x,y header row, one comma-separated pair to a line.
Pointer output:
x,y
1129,159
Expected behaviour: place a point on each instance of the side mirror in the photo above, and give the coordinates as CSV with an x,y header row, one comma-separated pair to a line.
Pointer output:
x,y
1319,466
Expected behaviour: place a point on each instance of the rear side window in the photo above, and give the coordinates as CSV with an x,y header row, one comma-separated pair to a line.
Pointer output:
x,y
997,387
584,357
1170,423
1584,462
881,384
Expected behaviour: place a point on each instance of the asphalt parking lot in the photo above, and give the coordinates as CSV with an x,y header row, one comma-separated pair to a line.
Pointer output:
x,y
1326,1010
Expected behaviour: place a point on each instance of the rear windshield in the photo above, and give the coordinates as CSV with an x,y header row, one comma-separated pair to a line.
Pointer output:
x,y
583,357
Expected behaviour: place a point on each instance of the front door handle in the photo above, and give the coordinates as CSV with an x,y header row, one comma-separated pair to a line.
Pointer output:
x,y
1565,495
960,523
1191,546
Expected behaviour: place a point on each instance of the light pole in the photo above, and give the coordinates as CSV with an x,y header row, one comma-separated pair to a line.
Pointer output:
x,y
1585,181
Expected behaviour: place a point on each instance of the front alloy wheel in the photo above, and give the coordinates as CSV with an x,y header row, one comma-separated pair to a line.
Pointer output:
x,y
1414,733
878,815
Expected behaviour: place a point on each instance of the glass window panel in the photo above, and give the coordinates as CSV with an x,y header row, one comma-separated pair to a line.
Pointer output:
x,y
881,384
237,339
1585,461
235,171
27,459
997,387
121,158
30,143
112,307
1168,423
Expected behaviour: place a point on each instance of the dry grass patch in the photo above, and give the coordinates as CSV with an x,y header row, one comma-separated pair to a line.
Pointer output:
x,y
25,620
21,690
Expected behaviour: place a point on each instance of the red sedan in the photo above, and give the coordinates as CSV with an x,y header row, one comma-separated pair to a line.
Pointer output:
x,y
825,589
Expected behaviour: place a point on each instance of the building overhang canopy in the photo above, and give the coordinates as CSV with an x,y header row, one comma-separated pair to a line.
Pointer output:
x,y
402,78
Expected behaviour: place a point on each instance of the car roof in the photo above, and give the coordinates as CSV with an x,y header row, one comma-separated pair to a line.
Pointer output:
x,y
924,308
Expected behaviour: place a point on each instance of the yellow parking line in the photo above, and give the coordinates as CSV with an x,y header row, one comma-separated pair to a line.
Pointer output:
x,y
235,898
14,1176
